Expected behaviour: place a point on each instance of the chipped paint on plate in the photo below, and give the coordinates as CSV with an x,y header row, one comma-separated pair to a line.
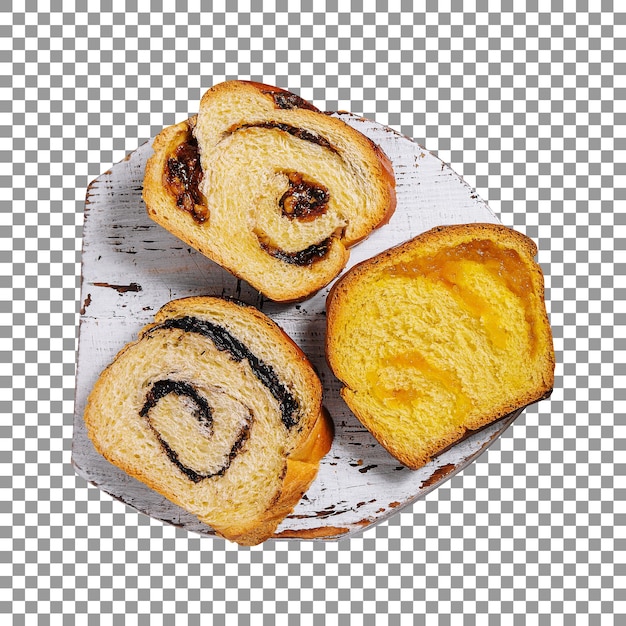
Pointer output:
x,y
131,267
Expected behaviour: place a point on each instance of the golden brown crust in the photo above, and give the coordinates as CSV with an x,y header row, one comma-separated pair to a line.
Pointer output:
x,y
280,98
423,245
301,468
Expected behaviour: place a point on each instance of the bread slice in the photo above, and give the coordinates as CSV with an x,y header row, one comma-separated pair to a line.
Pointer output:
x,y
269,187
443,334
219,411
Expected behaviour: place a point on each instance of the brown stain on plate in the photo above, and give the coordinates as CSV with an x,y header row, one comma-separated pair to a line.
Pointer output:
x,y
364,522
438,474
86,303
325,532
121,288
327,512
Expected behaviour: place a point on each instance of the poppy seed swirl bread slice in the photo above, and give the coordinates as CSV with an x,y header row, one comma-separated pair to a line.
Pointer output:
x,y
440,335
269,187
218,410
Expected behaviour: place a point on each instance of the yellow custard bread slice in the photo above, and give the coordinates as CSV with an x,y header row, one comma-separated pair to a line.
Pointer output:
x,y
443,334
218,410
269,187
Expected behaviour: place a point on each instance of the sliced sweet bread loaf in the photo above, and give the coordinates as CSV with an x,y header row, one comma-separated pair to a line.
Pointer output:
x,y
269,187
219,411
443,334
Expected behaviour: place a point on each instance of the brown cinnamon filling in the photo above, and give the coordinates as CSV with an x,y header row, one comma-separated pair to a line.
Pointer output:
x,y
308,256
287,100
183,175
295,131
304,200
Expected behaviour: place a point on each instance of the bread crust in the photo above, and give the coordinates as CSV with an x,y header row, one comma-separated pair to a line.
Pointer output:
x,y
304,448
301,469
425,244
302,264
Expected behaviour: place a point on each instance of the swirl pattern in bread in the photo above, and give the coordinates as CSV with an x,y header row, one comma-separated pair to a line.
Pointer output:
x,y
218,410
269,187
443,334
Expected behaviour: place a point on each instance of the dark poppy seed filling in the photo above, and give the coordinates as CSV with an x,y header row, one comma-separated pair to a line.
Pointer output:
x,y
203,414
226,342
162,388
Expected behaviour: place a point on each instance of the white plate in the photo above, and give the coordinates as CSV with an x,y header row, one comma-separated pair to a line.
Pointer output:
x,y
131,267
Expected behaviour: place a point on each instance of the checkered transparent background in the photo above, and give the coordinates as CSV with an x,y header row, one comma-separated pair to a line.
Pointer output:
x,y
526,101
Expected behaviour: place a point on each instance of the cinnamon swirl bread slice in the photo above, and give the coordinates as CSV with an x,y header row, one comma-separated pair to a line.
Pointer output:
x,y
269,187
443,334
218,410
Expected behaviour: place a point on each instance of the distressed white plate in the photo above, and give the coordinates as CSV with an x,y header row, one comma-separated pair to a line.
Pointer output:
x,y
131,267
